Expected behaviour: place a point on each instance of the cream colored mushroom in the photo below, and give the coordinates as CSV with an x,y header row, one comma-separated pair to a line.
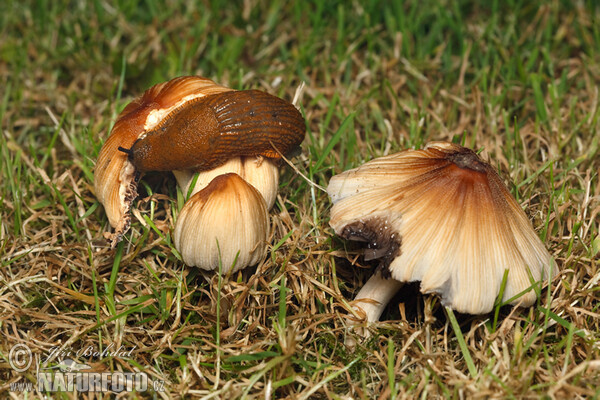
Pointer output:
x,y
227,222
443,217
230,210
261,173
231,139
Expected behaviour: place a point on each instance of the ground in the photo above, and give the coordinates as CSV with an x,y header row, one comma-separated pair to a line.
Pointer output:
x,y
518,80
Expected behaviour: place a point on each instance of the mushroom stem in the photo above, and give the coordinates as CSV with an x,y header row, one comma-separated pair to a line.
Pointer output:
x,y
371,299
184,178
378,291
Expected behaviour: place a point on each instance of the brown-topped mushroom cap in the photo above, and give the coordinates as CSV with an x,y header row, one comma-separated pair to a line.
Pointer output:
x,y
444,217
227,222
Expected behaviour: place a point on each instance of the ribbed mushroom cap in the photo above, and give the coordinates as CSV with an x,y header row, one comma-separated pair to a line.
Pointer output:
x,y
263,174
114,176
226,220
444,217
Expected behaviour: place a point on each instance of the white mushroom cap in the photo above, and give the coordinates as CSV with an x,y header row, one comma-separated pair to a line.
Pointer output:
x,y
226,221
444,217
261,173
185,178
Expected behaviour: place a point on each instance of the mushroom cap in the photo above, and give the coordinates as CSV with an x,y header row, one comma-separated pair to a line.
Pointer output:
x,y
261,173
114,176
444,217
228,221
186,177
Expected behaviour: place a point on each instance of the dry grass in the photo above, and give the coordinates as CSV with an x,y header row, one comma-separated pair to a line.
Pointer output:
x,y
520,82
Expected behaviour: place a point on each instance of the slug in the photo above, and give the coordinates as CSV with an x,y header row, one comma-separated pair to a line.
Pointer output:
x,y
207,131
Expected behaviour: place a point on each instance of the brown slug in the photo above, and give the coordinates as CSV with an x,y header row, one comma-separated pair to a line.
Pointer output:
x,y
207,131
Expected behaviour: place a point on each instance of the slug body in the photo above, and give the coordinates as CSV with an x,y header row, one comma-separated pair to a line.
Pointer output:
x,y
205,132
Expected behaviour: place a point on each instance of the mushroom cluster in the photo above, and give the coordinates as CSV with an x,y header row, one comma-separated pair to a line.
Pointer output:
x,y
228,143
441,216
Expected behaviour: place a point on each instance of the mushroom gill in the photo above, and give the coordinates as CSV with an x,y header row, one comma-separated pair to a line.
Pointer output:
x,y
444,217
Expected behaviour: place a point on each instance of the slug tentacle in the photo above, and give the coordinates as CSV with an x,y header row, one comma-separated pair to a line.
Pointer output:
x,y
124,150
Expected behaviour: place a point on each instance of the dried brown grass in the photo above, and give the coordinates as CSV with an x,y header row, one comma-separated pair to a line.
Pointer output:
x,y
173,315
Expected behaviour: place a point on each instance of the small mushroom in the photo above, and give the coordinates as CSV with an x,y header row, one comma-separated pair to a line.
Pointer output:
x,y
225,222
231,211
444,217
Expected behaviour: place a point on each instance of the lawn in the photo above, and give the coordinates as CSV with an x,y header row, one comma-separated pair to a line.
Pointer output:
x,y
517,80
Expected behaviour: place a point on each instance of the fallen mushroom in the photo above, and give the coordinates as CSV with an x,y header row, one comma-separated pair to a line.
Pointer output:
x,y
444,217
190,126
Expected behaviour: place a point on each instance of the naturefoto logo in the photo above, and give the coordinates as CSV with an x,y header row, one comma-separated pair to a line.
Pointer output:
x,y
68,375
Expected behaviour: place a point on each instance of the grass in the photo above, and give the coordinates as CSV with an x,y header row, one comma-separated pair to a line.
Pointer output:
x,y
514,78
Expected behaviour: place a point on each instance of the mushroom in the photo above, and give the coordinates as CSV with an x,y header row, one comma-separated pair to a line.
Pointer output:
x,y
225,222
262,173
115,177
224,217
231,139
444,217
